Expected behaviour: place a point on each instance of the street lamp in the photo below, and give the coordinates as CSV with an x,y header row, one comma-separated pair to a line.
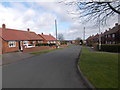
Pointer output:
x,y
99,34
56,31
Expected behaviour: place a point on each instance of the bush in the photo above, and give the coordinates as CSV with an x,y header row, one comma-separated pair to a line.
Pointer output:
x,y
45,44
63,43
110,47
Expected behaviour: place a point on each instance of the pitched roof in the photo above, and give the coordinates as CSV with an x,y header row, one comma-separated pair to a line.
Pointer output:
x,y
47,37
13,34
113,30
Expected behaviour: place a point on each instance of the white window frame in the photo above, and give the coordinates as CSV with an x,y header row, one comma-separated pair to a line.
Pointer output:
x,y
48,42
25,42
113,35
33,42
109,35
13,43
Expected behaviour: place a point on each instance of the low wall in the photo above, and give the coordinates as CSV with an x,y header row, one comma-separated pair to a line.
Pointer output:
x,y
40,48
63,45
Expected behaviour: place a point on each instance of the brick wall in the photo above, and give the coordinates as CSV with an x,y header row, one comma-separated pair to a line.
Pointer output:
x,y
34,49
6,48
63,45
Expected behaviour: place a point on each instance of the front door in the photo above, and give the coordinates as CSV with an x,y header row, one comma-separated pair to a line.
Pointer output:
x,y
20,45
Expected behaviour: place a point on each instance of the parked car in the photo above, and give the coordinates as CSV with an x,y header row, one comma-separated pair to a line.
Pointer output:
x,y
28,45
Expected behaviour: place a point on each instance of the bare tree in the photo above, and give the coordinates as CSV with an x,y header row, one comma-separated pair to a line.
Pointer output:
x,y
60,36
97,8
78,39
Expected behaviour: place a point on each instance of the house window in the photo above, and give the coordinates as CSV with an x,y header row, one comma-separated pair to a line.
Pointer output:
x,y
113,42
54,42
105,42
48,42
110,42
108,35
34,41
25,42
113,35
12,43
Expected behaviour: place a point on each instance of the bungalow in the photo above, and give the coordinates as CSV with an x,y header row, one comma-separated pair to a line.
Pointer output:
x,y
14,40
48,38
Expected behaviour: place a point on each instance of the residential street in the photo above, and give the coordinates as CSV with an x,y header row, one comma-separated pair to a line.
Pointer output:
x,y
56,69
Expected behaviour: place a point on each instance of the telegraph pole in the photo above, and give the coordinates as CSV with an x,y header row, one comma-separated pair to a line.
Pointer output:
x,y
56,31
99,35
84,34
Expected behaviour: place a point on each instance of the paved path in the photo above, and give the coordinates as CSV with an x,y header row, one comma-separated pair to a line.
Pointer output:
x,y
56,69
12,57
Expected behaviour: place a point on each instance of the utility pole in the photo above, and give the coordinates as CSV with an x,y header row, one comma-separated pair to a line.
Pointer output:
x,y
56,31
99,32
99,35
84,34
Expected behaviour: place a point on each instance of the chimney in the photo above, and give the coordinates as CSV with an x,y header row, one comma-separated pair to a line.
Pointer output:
x,y
42,33
28,29
109,29
116,24
50,34
3,26
105,30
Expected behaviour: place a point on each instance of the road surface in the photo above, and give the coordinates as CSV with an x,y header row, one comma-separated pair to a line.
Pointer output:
x,y
56,69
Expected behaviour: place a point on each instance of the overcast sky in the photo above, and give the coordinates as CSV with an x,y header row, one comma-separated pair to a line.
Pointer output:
x,y
40,17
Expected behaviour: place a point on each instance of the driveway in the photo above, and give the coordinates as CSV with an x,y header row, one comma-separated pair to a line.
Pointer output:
x,y
14,57
56,69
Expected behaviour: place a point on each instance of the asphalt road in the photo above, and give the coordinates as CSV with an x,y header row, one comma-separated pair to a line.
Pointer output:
x,y
56,69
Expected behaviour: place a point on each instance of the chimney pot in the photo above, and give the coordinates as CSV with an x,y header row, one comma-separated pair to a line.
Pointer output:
x,y
3,26
109,28
28,29
116,24
42,33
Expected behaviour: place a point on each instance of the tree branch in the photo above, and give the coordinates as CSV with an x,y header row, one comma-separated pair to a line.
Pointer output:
x,y
113,8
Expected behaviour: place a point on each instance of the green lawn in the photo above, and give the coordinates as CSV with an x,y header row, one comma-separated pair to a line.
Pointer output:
x,y
100,68
45,51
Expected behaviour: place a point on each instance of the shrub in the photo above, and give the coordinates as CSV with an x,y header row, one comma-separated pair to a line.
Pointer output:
x,y
45,44
63,43
110,47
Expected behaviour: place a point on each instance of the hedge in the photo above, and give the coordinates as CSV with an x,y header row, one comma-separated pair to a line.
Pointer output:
x,y
110,47
45,44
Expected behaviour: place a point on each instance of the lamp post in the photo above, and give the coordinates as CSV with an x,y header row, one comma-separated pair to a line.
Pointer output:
x,y
56,31
99,34
84,34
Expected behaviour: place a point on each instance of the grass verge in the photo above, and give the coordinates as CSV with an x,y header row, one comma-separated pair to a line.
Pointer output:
x,y
100,68
45,51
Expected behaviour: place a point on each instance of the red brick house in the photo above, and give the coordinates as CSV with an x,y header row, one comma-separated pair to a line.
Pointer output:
x,y
111,36
14,40
48,38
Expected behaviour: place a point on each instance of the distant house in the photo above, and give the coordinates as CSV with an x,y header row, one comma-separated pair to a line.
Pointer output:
x,y
111,36
14,40
48,38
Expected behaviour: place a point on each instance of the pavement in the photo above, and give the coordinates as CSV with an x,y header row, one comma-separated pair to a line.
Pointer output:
x,y
90,48
12,57
55,69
